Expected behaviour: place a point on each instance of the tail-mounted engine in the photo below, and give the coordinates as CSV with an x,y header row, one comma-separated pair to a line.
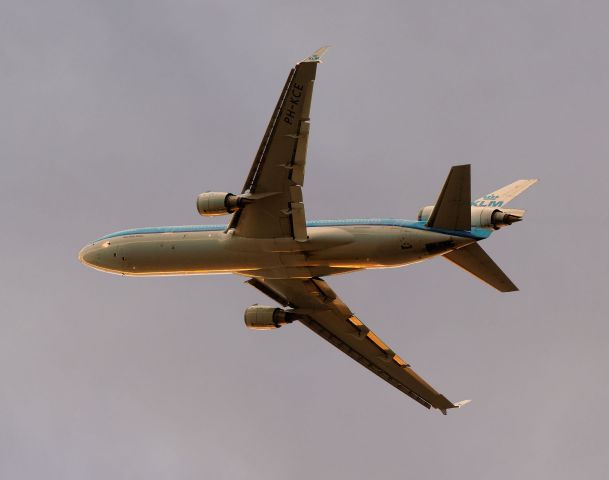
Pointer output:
x,y
492,218
219,203
483,217
261,317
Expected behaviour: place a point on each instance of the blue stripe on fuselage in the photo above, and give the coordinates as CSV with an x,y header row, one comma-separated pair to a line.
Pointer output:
x,y
475,233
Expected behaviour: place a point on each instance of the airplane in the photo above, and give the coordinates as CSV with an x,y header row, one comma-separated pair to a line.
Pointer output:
x,y
286,257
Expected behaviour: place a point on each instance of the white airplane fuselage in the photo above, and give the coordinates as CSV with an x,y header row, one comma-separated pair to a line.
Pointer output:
x,y
285,257
332,247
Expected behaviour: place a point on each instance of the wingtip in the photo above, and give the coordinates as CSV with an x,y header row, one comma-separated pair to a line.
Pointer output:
x,y
455,405
316,56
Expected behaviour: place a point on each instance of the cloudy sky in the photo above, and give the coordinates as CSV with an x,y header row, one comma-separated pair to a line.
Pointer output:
x,y
116,114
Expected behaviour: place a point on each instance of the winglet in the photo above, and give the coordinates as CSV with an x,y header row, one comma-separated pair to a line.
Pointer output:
x,y
315,57
461,403
455,405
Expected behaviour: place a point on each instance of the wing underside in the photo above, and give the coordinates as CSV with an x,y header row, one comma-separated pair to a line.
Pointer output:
x,y
319,309
276,210
277,174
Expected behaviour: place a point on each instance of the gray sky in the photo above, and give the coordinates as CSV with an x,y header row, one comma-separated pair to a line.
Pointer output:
x,y
116,114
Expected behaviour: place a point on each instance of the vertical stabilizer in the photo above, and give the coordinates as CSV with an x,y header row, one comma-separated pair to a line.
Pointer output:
x,y
500,198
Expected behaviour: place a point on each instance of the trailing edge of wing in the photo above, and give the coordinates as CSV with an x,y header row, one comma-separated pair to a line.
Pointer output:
x,y
327,315
278,169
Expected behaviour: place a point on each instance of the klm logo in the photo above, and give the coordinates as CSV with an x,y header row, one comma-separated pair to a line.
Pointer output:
x,y
488,201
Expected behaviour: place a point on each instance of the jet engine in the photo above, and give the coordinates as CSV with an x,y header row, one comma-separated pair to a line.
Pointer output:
x,y
483,217
261,317
425,213
219,203
492,218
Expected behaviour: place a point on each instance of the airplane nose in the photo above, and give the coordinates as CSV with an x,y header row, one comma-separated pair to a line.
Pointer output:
x,y
101,256
87,255
93,256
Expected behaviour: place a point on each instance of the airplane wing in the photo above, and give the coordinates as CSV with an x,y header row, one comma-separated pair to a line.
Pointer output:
x,y
324,313
277,174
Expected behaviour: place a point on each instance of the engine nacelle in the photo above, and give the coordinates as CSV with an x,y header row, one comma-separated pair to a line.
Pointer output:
x,y
482,217
261,317
425,213
492,218
219,203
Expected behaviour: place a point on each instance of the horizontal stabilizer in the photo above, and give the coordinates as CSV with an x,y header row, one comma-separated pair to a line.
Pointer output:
x,y
452,210
477,262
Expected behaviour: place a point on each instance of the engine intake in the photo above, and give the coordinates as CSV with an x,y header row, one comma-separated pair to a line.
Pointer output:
x,y
219,203
261,317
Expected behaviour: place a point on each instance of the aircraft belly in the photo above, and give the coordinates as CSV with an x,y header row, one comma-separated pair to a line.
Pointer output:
x,y
375,246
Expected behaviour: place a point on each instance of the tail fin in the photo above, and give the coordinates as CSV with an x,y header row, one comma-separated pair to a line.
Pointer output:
x,y
501,197
452,211
477,262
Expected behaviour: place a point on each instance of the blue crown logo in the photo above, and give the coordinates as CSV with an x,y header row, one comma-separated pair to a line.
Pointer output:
x,y
491,197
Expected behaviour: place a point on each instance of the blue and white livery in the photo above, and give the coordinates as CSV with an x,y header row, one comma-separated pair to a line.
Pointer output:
x,y
269,241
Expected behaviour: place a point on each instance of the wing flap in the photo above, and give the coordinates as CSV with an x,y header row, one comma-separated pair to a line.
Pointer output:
x,y
279,165
363,359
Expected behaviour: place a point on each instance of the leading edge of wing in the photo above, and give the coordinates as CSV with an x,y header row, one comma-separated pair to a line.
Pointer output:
x,y
323,312
315,57
278,169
